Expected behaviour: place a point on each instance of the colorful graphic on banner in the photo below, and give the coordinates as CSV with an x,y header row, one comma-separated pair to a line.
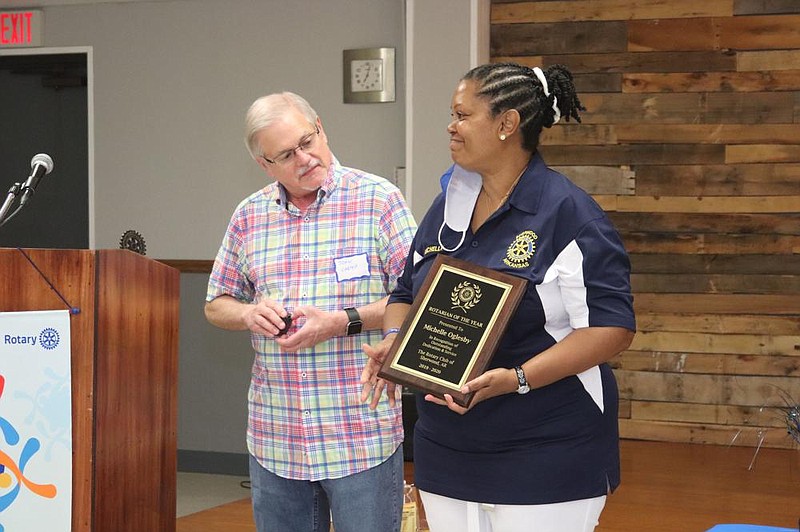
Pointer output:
x,y
35,422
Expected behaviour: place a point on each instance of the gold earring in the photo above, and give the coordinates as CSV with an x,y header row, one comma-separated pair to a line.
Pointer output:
x,y
502,136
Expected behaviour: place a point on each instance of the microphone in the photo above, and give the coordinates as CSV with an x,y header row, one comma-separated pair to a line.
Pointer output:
x,y
41,164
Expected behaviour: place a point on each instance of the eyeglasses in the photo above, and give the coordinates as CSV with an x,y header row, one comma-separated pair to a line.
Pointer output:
x,y
305,144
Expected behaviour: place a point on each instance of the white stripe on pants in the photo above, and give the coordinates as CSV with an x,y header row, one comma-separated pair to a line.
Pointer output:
x,y
452,515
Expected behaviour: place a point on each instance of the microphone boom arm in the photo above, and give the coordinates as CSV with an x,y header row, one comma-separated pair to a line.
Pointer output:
x,y
12,195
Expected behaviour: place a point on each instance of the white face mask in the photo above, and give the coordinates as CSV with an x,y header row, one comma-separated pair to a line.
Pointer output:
x,y
459,202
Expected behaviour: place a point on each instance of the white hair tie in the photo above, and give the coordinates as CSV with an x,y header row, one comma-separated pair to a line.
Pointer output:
x,y
556,112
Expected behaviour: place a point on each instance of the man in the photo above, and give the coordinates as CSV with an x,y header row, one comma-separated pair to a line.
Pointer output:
x,y
305,265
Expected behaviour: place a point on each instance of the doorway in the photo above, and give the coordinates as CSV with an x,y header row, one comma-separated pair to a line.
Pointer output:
x,y
45,95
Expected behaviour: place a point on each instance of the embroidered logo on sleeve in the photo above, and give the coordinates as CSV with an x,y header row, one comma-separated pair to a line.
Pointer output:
x,y
521,250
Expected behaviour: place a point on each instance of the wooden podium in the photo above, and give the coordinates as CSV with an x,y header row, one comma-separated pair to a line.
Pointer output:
x,y
124,377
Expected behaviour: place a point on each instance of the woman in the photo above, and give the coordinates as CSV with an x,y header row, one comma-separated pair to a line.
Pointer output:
x,y
538,448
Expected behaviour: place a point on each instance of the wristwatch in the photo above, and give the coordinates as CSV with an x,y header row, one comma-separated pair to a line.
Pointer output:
x,y
523,382
354,322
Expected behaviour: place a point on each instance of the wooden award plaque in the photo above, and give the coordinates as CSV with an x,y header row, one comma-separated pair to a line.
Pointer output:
x,y
453,327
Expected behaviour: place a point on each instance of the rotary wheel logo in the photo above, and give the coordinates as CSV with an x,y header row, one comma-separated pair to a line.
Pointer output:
x,y
465,295
48,338
133,241
521,250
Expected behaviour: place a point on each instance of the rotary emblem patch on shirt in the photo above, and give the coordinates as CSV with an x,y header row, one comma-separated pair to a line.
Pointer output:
x,y
521,250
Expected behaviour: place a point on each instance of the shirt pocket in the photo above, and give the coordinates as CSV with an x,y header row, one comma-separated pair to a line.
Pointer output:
x,y
354,275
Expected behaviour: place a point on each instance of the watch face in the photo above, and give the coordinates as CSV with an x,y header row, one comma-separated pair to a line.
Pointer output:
x,y
366,75
354,327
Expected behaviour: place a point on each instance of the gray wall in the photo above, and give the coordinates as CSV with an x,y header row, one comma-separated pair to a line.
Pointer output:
x,y
439,43
213,376
171,83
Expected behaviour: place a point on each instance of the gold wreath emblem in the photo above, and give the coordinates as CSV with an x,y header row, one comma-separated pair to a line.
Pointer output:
x,y
465,295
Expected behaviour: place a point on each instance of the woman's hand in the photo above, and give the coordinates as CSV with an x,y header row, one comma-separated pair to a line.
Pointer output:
x,y
371,385
494,382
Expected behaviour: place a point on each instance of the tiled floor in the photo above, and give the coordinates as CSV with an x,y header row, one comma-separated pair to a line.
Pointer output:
x,y
200,491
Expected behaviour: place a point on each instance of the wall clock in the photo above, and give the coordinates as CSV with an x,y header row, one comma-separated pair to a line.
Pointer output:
x,y
368,75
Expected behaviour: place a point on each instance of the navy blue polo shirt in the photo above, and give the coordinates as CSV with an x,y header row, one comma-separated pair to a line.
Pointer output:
x,y
559,442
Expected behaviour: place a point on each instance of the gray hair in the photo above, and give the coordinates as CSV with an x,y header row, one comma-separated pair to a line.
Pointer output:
x,y
266,110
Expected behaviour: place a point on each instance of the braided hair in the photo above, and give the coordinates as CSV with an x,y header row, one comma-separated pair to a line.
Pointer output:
x,y
512,86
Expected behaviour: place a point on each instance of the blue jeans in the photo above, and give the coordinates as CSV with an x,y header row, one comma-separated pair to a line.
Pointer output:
x,y
369,501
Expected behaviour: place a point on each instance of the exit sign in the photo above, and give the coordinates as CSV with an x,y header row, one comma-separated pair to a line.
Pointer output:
x,y
21,28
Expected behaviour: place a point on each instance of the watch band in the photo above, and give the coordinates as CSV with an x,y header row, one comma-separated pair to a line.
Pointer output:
x,y
354,322
522,381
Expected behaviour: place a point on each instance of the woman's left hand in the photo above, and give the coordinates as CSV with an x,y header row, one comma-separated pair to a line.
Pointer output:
x,y
371,386
494,382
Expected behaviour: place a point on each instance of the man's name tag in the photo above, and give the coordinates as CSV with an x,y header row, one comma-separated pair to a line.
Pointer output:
x,y
352,267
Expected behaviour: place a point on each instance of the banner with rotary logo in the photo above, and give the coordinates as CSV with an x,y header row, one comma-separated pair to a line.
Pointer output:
x,y
35,421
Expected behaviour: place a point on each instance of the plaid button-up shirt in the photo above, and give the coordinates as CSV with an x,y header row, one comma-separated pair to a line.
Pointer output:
x,y
305,418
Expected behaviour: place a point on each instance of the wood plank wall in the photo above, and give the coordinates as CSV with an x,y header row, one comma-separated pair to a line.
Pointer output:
x,y
691,142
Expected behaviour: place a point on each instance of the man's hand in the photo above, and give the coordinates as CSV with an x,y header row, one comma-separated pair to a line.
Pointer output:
x,y
318,326
264,317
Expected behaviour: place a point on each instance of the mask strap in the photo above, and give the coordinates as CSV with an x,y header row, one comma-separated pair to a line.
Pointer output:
x,y
445,248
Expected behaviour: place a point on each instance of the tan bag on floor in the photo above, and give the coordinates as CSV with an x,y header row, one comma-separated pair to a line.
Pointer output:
x,y
410,518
